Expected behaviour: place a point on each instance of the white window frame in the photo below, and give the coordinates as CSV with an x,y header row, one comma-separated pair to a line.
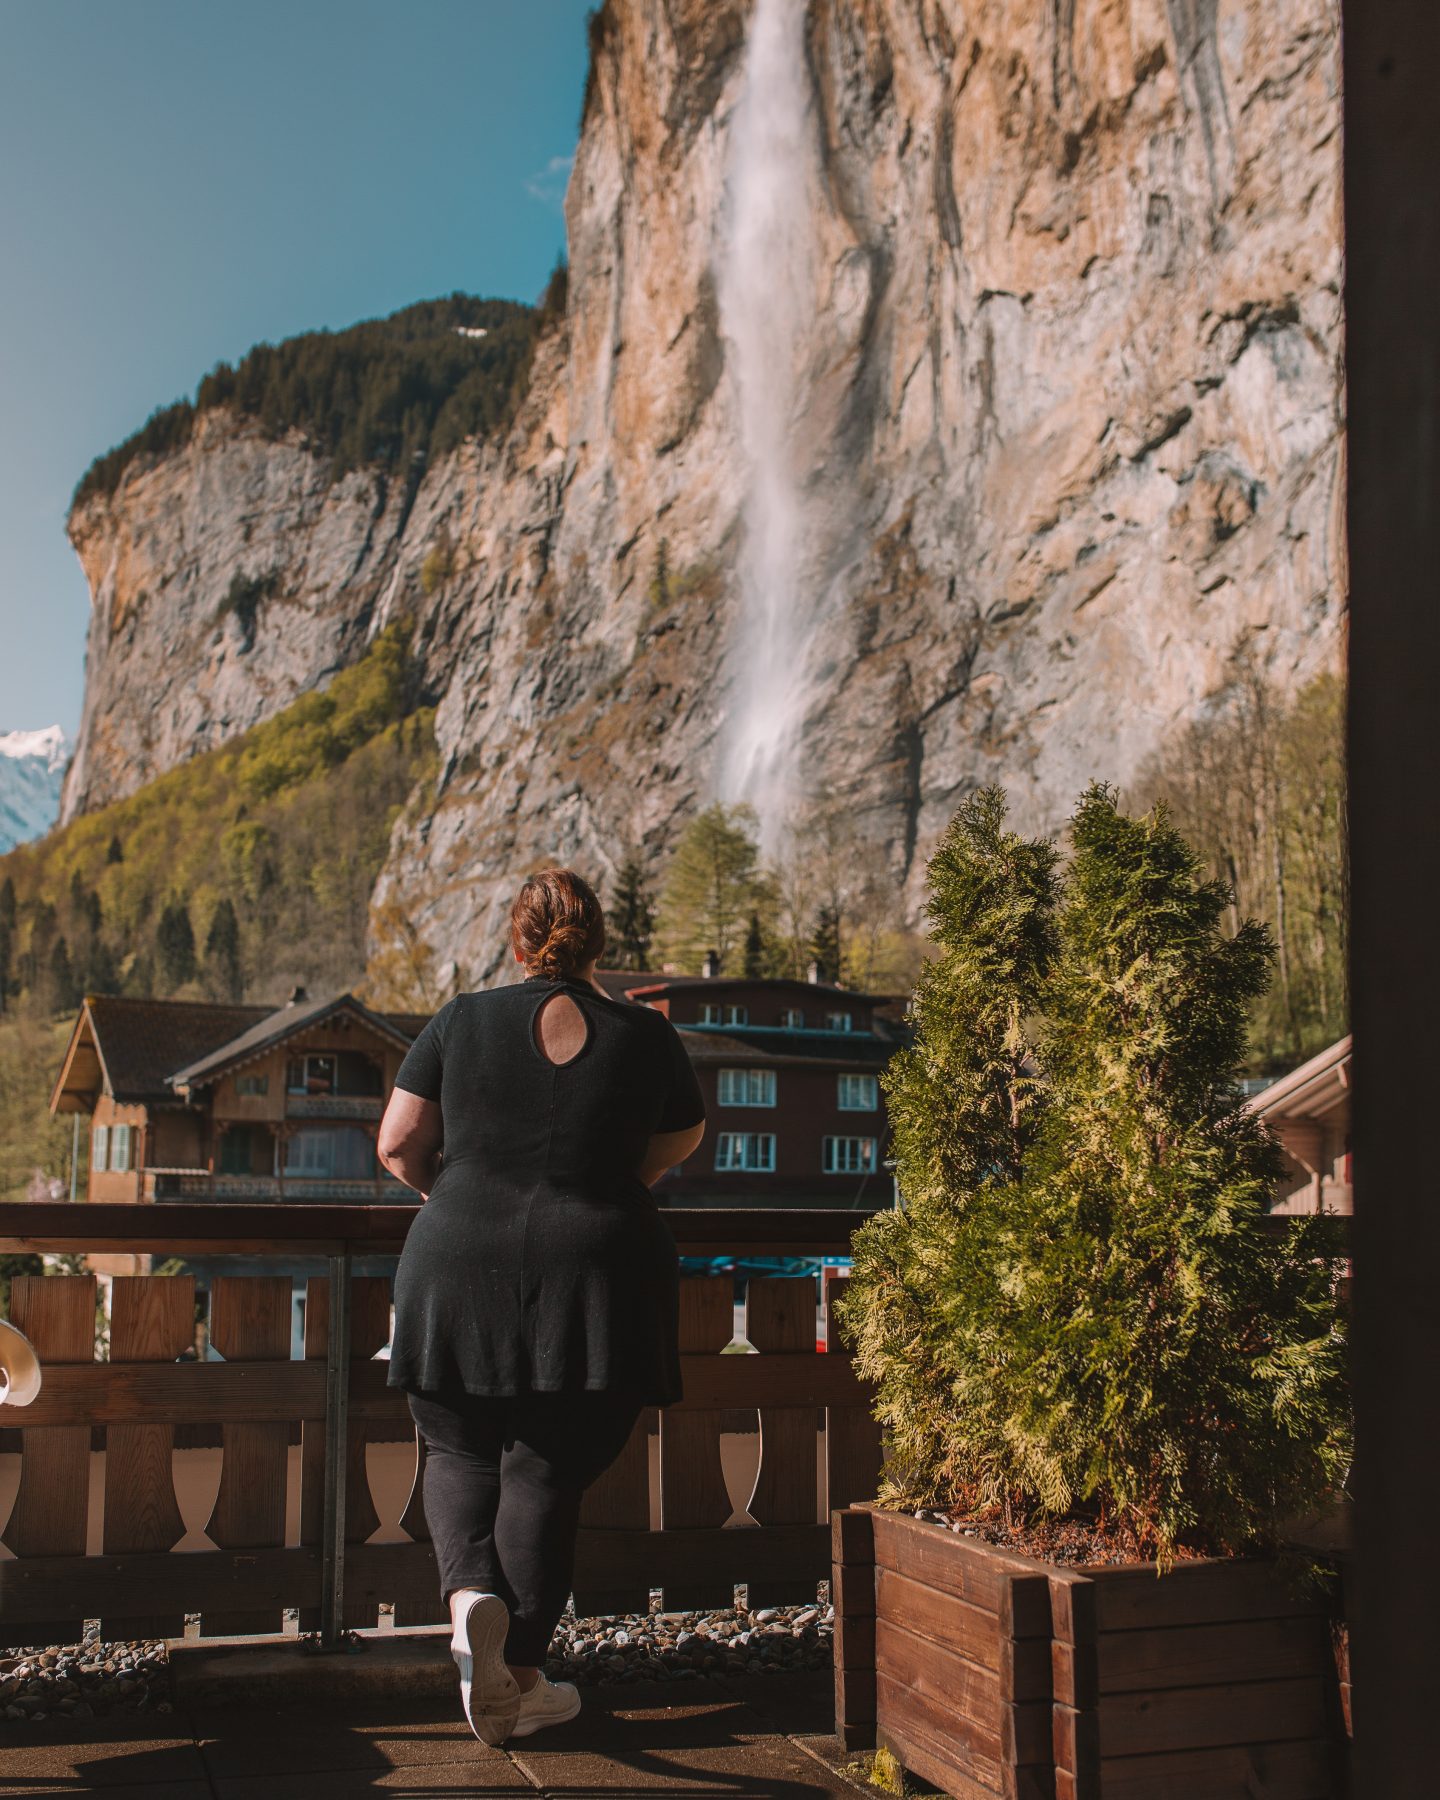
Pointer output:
x,y
252,1087
792,1018
120,1149
849,1085
747,1152
713,1012
745,1087
100,1149
840,1021
710,1012
858,1157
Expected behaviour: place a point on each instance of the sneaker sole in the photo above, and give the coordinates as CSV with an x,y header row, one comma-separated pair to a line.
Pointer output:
x,y
491,1697
558,1718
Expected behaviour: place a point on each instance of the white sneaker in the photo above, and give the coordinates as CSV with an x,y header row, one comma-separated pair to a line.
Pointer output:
x,y
489,1692
547,1703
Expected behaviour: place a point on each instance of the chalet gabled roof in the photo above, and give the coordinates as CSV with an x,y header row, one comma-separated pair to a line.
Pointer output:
x,y
274,1027
1316,1087
136,1043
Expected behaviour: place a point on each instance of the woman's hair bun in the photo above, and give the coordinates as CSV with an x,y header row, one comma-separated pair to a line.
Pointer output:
x,y
556,924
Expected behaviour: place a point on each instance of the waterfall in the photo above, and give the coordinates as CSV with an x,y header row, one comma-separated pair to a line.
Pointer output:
x,y
766,293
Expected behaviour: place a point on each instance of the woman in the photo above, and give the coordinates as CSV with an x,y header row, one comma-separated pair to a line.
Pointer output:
x,y
536,1300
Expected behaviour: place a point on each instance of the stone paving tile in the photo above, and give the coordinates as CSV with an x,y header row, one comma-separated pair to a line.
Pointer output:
x,y
375,1736
103,1754
758,1769
144,1790
476,1781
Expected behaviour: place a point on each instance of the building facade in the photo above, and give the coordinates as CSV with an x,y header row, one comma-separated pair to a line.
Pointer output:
x,y
191,1101
790,1071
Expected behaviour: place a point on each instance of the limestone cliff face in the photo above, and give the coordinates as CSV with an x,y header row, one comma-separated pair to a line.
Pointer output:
x,y
1069,425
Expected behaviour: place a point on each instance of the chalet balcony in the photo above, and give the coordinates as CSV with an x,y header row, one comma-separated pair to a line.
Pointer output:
x,y
333,1106
171,1185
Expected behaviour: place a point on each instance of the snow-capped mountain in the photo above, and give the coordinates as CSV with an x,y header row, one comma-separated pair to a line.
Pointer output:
x,y
32,766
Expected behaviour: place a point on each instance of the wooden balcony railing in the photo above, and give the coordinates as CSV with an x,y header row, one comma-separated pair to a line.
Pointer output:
x,y
731,1485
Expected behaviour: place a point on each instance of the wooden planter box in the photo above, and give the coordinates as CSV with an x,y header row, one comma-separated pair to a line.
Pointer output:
x,y
998,1677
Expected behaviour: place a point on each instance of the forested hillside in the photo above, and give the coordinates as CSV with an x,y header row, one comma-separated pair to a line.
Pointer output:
x,y
238,875
394,391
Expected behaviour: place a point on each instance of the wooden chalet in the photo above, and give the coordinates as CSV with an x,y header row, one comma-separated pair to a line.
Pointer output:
x,y
192,1101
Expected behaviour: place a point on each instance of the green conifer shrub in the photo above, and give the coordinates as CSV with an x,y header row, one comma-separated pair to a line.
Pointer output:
x,y
1080,1309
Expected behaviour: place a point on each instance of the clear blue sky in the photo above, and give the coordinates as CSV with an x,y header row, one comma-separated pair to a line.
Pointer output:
x,y
181,179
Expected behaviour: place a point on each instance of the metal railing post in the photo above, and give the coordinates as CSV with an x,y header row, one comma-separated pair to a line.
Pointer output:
x,y
337,1408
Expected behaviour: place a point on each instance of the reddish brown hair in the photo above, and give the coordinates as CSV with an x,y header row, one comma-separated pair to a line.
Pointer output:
x,y
556,924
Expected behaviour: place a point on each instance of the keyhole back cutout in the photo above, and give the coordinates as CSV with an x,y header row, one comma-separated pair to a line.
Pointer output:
x,y
561,1030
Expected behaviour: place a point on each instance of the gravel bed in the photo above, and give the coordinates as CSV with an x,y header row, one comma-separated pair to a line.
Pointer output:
x,y
84,1680
91,1679
685,1646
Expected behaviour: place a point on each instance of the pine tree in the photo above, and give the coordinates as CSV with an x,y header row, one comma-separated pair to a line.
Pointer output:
x,y
6,954
61,995
175,946
630,918
1081,1308
114,854
712,886
757,950
8,909
222,952
824,946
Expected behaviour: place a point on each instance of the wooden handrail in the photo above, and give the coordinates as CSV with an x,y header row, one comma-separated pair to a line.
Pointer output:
x,y
288,1228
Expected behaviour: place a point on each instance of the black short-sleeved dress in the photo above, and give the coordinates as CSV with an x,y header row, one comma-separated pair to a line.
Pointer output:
x,y
540,1262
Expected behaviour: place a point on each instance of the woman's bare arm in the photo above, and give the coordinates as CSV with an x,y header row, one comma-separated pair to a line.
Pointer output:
x,y
410,1138
668,1149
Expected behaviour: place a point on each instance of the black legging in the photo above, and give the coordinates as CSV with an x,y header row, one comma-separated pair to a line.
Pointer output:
x,y
503,1480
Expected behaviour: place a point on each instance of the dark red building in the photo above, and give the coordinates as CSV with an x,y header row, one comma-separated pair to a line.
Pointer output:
x,y
790,1072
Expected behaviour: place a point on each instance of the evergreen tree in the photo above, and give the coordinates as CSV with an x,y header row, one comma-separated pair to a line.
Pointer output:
x,y
712,886
100,973
825,947
175,946
6,954
1080,1308
8,910
757,950
114,854
630,918
61,995
222,952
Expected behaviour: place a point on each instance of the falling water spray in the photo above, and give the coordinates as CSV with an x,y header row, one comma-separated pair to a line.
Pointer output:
x,y
766,294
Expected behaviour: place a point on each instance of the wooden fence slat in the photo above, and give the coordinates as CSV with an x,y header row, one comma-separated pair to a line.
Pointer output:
x,y
618,1501
369,1332
780,1323
422,1606
152,1319
692,1477
853,1445
250,1322
57,1314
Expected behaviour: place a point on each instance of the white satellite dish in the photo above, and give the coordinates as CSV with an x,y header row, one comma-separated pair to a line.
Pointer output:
x,y
19,1367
